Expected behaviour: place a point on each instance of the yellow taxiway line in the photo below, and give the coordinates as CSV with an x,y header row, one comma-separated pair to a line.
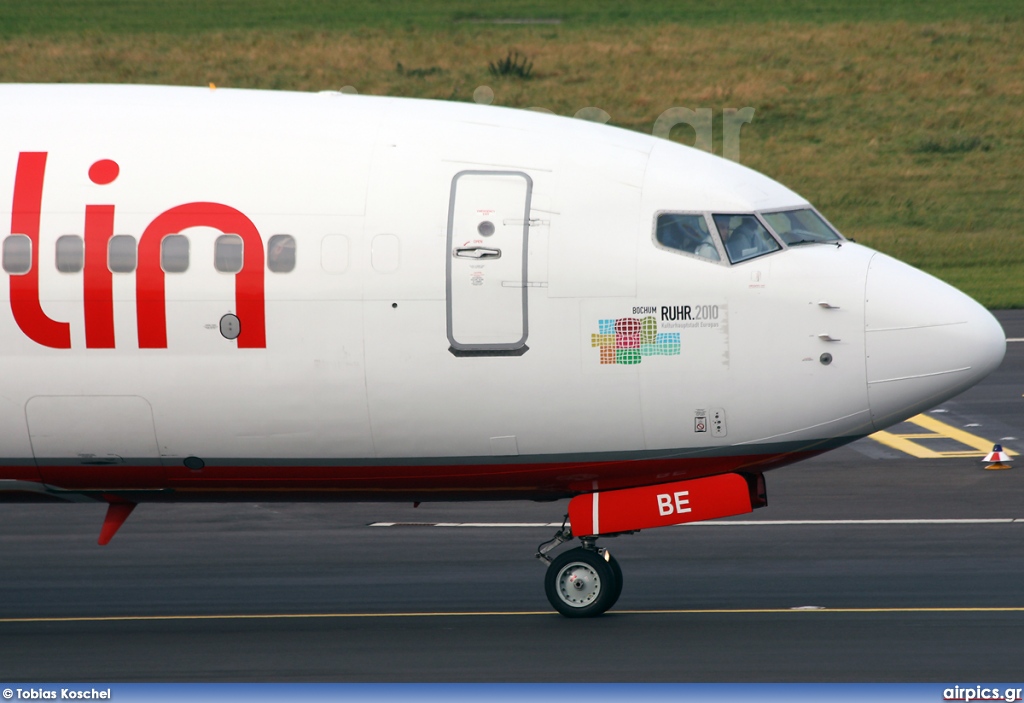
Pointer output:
x,y
905,442
456,614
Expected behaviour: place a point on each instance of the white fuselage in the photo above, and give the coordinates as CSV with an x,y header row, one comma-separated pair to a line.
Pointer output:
x,y
458,270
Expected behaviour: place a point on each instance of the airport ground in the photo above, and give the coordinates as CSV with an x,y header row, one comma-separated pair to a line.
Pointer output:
x,y
868,565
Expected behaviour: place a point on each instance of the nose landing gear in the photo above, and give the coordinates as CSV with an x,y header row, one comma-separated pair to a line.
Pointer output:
x,y
587,581
582,582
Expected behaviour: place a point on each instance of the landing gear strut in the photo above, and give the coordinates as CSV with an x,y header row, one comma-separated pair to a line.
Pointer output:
x,y
582,582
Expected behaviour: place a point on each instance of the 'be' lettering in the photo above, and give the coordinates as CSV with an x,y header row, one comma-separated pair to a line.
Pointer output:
x,y
669,503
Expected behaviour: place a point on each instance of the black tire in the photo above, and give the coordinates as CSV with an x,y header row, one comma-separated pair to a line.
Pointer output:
x,y
581,583
617,570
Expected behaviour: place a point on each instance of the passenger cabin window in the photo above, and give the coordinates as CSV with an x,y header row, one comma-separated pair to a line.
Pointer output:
x,y
70,253
688,233
122,254
281,253
227,253
803,226
174,253
17,254
745,237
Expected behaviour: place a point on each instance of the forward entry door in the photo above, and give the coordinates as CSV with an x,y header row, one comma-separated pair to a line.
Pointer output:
x,y
488,233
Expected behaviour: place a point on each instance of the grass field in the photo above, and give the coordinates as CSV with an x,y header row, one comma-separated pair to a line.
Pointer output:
x,y
902,121
39,17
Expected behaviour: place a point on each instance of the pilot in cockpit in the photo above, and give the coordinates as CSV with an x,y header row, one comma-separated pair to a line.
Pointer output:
x,y
688,233
742,241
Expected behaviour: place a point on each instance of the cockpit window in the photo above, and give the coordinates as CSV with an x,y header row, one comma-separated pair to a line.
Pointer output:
x,y
687,233
745,237
803,226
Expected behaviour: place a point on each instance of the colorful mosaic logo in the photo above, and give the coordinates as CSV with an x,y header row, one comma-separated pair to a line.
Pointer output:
x,y
628,340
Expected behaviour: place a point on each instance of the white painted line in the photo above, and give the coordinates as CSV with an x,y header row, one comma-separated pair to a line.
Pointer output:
x,y
723,523
466,524
750,523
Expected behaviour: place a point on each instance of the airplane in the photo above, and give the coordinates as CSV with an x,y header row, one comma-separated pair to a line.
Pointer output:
x,y
236,295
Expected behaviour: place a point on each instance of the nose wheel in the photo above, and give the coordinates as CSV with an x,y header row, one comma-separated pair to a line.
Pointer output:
x,y
583,582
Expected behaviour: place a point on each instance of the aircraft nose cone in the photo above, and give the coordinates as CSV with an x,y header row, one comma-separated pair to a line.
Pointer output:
x,y
925,341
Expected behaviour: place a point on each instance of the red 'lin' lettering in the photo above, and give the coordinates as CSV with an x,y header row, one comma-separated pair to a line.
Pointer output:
x,y
151,308
149,277
98,282
25,215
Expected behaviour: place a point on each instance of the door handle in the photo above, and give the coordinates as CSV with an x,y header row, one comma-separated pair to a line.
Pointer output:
x,y
477,253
